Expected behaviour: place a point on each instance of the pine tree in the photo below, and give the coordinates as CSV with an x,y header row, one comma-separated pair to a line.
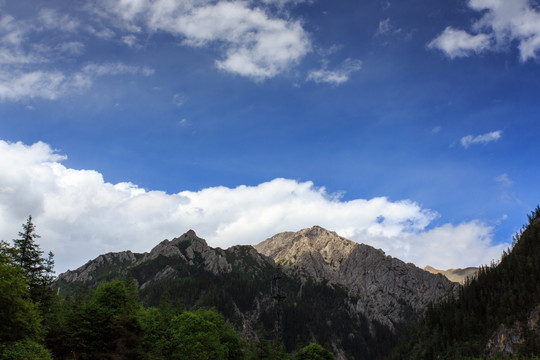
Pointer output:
x,y
28,255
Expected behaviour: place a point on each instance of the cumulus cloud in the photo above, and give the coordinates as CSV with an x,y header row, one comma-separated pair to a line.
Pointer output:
x,y
337,76
502,24
469,140
80,215
255,44
471,242
458,43
253,39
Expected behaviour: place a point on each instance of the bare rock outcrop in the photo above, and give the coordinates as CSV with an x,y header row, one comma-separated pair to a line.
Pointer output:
x,y
102,263
507,340
385,289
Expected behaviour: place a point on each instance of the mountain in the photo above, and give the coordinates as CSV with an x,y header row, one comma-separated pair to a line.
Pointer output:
x,y
456,275
350,298
385,289
494,314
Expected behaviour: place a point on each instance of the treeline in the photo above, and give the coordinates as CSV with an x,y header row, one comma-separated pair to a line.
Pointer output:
x,y
110,322
501,294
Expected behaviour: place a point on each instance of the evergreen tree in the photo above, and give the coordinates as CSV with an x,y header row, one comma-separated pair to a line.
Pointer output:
x,y
28,255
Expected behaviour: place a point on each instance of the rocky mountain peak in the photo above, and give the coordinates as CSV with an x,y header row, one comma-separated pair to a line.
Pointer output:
x,y
290,247
386,287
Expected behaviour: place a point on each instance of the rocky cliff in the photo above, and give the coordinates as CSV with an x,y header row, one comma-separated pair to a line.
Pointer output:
x,y
384,288
509,340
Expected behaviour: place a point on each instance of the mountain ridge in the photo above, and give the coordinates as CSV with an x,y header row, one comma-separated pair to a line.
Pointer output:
x,y
367,298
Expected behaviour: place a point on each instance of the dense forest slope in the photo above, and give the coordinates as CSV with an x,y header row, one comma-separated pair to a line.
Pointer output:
x,y
496,313
334,303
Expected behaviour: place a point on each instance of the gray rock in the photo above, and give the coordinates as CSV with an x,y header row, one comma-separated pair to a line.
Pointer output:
x,y
385,288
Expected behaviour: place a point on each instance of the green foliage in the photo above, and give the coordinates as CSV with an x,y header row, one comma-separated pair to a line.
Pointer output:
x,y
504,293
19,316
203,335
107,324
29,257
314,352
24,350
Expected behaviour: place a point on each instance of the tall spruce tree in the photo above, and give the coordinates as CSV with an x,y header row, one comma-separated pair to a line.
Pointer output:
x,y
28,255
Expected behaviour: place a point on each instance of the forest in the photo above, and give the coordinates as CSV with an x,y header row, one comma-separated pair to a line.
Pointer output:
x,y
501,296
110,322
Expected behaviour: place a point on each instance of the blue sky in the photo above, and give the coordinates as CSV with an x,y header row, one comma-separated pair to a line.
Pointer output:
x,y
404,125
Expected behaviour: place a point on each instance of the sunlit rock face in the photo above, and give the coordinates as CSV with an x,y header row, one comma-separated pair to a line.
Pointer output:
x,y
384,288
455,275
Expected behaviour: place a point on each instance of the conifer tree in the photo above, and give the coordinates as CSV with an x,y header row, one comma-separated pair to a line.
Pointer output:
x,y
28,255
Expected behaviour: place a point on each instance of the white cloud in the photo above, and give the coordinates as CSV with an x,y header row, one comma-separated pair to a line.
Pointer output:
x,y
52,19
80,215
458,43
337,76
468,140
179,99
117,68
130,40
26,71
503,23
469,242
254,44
504,180
251,41
12,32
18,85
283,3
36,84
71,48
384,26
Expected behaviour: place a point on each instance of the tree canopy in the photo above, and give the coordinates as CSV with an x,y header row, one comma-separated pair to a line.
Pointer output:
x,y
314,352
